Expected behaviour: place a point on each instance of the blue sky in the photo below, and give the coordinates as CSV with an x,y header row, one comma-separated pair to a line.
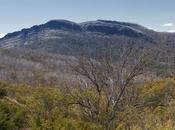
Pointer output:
x,y
18,14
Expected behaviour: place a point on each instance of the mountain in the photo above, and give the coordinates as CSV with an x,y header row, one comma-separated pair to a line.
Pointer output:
x,y
99,26
67,37
48,48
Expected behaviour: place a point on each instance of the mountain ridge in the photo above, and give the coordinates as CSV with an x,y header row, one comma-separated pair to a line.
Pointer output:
x,y
53,23
70,37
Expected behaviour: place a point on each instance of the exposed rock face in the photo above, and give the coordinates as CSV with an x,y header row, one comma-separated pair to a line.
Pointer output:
x,y
112,28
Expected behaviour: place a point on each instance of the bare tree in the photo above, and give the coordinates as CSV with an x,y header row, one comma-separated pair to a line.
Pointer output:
x,y
109,76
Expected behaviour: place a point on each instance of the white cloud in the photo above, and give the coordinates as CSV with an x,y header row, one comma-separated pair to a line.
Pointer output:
x,y
171,31
2,35
150,28
168,25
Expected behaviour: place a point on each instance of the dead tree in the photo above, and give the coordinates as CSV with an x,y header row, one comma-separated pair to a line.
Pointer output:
x,y
110,77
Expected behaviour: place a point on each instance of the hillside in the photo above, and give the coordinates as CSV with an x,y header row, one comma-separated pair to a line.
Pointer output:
x,y
47,48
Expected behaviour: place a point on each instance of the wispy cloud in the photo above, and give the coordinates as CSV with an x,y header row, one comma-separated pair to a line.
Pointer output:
x,y
168,25
2,35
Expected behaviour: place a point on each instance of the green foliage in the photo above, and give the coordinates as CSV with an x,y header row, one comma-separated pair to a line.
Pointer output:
x,y
158,93
50,108
11,117
2,93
